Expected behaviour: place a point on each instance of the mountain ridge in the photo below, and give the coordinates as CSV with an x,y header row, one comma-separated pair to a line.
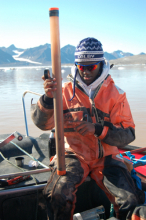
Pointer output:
x,y
130,60
6,58
42,54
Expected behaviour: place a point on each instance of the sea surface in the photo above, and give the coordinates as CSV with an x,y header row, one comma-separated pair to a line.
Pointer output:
x,y
15,81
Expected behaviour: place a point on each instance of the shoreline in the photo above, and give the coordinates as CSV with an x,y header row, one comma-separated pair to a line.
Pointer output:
x,y
117,64
32,67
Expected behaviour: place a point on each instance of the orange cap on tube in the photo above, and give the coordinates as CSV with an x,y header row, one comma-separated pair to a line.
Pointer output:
x,y
51,9
61,173
54,12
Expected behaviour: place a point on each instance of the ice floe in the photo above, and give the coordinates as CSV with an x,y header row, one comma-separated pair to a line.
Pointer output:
x,y
121,68
63,71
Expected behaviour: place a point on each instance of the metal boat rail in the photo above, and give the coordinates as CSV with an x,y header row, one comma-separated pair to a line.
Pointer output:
x,y
22,189
25,173
24,109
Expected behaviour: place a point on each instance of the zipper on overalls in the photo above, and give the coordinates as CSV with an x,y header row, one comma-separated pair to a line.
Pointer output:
x,y
93,112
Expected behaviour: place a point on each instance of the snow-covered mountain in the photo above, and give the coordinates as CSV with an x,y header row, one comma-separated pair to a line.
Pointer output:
x,y
120,54
42,54
6,58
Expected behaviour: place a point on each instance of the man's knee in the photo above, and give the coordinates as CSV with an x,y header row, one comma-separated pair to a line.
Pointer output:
x,y
60,190
59,197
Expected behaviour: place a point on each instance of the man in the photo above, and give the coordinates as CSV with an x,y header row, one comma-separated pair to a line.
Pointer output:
x,y
97,120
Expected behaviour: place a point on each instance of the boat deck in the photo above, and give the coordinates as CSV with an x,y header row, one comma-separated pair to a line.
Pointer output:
x,y
38,148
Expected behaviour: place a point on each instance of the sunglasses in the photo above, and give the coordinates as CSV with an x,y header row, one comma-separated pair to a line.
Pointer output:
x,y
89,67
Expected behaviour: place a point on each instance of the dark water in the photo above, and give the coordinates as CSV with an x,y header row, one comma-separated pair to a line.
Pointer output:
x,y
14,82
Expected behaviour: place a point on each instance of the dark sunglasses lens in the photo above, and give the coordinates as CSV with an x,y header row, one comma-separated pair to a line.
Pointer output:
x,y
80,67
89,68
92,67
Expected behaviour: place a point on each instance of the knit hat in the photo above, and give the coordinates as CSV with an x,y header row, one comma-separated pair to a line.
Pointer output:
x,y
89,49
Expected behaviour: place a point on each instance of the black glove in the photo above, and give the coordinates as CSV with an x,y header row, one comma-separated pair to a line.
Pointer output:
x,y
98,129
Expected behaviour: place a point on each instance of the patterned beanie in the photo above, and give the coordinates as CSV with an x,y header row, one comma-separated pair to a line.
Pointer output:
x,y
89,49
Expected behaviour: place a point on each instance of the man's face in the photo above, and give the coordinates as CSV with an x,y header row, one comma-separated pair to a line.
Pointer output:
x,y
87,76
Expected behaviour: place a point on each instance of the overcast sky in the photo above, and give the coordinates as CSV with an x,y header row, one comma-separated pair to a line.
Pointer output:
x,y
118,24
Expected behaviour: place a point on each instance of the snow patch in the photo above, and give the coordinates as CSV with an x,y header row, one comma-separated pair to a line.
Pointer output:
x,y
17,53
16,57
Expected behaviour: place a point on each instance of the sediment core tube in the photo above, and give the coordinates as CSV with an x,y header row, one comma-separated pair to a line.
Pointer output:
x,y
58,106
